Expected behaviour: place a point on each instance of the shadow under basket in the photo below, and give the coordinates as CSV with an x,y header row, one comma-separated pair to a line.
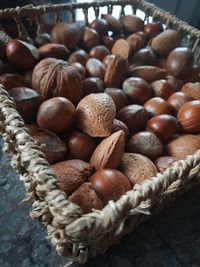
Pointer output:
x,y
73,234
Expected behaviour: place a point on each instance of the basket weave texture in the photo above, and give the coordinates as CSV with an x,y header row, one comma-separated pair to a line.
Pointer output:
x,y
72,233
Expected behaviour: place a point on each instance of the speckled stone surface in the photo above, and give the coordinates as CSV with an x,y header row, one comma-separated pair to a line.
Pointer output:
x,y
169,239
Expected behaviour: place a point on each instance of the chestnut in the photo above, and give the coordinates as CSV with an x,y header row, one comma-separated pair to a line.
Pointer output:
x,y
71,174
80,68
164,162
174,82
162,88
157,105
42,39
122,47
177,99
100,25
119,125
80,56
118,96
132,23
10,81
56,114
58,51
51,145
114,24
134,116
135,42
95,68
21,54
164,126
189,116
27,101
145,143
145,56
90,38
106,60
80,146
108,42
109,184
5,67
152,29
99,52
92,85
137,90
192,90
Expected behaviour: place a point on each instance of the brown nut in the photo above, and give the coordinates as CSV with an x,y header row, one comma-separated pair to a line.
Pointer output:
x,y
137,167
50,144
114,24
116,72
157,105
100,25
99,52
109,152
10,81
118,96
182,146
145,143
165,42
92,85
55,77
177,99
145,56
27,101
152,29
21,54
148,73
135,42
80,146
132,23
79,56
6,67
90,38
162,88
164,162
192,90
122,47
119,125
67,33
95,114
134,116
56,114
80,68
110,184
174,82
106,60
86,198
58,51
108,42
71,174
95,68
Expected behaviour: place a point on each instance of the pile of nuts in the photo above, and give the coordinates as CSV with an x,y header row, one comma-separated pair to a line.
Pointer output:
x,y
110,104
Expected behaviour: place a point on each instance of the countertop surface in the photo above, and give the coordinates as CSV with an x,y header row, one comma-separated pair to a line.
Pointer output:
x,y
171,238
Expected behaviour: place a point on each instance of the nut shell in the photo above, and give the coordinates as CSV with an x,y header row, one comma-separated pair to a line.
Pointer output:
x,y
58,51
10,81
163,162
118,96
192,90
157,105
95,68
95,114
109,152
132,23
148,73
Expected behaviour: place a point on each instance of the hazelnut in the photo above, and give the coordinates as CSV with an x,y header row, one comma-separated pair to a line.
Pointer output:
x,y
92,85
71,174
80,146
177,99
51,145
108,42
148,73
109,152
67,33
182,146
189,116
137,90
86,198
132,23
109,184
162,88
164,126
27,101
174,82
145,56
21,54
10,81
79,56
95,68
100,25
59,110
135,42
90,38
118,96
134,116
119,125
152,29
114,24
80,68
137,167
164,162
99,52
192,90
95,114
55,77
58,51
157,105
145,143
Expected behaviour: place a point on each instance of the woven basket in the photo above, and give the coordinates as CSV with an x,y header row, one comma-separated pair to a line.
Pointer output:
x,y
73,234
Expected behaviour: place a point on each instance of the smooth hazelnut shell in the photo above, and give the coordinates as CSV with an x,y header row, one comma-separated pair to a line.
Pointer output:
x,y
119,125
58,51
21,54
180,61
174,82
192,90
162,88
80,68
152,29
100,25
86,198
189,116
118,96
99,52
95,114
10,81
145,56
27,102
80,56
137,90
132,23
164,162
164,126
109,184
92,85
157,105
108,42
80,146
137,167
177,99
135,42
134,116
95,68
182,146
71,174
148,73
114,24
109,152
90,38
51,145
145,143
59,110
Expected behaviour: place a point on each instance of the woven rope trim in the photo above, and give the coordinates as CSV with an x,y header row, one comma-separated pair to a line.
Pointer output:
x,y
32,11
